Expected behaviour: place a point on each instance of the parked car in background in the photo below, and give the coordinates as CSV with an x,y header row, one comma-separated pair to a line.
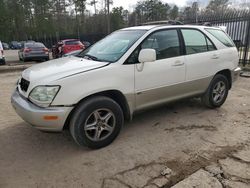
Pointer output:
x,y
66,46
33,51
128,71
5,46
15,45
86,44
74,53
2,58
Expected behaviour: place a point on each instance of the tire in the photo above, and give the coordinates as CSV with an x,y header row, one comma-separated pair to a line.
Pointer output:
x,y
217,92
91,117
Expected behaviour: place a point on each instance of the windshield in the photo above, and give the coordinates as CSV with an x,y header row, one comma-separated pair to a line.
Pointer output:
x,y
112,47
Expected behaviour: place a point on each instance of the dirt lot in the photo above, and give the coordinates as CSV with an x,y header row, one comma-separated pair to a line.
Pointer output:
x,y
181,144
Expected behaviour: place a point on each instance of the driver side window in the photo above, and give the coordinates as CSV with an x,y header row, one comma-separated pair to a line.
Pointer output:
x,y
165,42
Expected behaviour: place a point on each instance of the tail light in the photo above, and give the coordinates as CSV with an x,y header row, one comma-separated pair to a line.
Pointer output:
x,y
27,50
2,52
46,50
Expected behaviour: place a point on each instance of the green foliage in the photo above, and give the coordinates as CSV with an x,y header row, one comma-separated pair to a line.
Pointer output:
x,y
46,19
117,18
153,10
217,5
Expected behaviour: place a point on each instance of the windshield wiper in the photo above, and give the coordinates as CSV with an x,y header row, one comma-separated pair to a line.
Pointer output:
x,y
87,56
91,57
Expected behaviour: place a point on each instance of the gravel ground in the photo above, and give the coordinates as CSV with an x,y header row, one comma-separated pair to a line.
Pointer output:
x,y
181,144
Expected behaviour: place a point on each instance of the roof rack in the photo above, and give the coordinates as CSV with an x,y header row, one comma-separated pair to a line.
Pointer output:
x,y
204,23
164,22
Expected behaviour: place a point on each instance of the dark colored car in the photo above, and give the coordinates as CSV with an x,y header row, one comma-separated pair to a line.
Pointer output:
x,y
66,46
5,46
15,45
33,51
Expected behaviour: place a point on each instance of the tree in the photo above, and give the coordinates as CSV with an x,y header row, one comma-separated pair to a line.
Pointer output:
x,y
93,3
191,12
216,6
117,18
174,12
151,10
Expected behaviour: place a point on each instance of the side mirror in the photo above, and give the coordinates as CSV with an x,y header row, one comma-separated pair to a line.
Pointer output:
x,y
147,55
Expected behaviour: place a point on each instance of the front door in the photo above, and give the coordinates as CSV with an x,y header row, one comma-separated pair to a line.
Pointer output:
x,y
159,81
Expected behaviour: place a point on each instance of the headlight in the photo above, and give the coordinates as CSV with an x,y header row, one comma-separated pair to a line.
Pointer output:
x,y
43,95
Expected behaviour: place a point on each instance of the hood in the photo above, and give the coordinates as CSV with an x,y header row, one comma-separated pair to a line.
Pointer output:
x,y
59,68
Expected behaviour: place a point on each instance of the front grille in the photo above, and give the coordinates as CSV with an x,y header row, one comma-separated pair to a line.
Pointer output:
x,y
24,84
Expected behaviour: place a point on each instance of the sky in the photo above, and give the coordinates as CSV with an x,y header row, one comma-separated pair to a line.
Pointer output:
x,y
128,4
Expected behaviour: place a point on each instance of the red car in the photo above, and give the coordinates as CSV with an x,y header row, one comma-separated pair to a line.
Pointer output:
x,y
66,46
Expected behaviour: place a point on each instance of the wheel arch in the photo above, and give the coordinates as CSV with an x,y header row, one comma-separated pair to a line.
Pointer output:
x,y
227,74
116,95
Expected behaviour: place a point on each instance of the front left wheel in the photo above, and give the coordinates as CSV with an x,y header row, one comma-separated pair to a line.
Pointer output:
x,y
96,122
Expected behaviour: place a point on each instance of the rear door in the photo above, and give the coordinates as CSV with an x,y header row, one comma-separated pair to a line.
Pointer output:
x,y
159,81
201,60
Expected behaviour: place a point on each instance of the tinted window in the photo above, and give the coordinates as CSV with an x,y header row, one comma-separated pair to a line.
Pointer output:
x,y
34,45
166,43
210,46
73,42
196,42
221,36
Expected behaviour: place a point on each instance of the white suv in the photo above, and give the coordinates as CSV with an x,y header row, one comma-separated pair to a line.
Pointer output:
x,y
129,70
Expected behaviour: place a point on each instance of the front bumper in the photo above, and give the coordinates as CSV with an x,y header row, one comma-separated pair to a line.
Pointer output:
x,y
235,74
34,115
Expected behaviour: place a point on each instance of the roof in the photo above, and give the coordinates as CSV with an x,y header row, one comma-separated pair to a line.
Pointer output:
x,y
69,40
149,27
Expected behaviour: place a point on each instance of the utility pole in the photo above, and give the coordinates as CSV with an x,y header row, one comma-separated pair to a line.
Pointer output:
x,y
94,3
108,15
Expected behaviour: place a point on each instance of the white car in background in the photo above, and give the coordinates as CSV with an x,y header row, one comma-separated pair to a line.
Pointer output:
x,y
2,58
128,71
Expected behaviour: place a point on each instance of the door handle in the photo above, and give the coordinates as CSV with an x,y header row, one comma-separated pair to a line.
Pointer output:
x,y
178,63
215,56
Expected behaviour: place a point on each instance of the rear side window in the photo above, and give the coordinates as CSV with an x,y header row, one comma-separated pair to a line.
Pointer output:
x,y
166,43
196,42
73,42
221,36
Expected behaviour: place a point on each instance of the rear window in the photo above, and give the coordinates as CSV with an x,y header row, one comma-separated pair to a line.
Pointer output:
x,y
34,45
221,36
73,42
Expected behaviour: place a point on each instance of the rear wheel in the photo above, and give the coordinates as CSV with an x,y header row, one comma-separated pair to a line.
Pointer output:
x,y
96,122
217,92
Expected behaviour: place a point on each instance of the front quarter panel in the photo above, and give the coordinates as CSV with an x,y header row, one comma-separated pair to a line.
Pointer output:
x,y
112,77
